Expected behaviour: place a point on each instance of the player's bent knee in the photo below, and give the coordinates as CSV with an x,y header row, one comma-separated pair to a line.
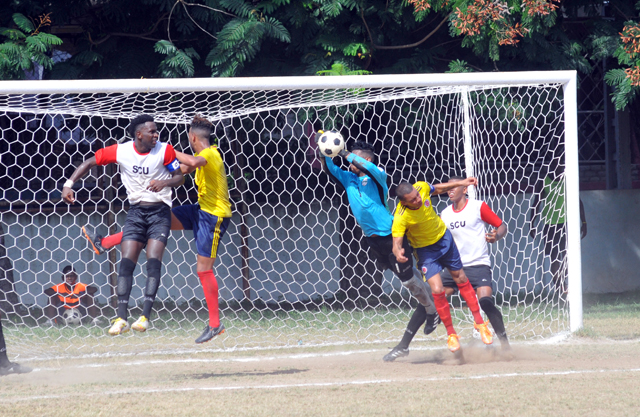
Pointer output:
x,y
418,289
487,304
125,277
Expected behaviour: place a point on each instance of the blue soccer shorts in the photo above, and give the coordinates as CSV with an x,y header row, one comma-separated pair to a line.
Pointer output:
x,y
434,258
207,228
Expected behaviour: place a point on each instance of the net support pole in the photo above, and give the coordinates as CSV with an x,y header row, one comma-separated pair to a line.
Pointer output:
x,y
574,262
468,151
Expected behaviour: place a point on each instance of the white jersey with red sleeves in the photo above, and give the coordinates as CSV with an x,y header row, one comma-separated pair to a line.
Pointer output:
x,y
468,229
137,170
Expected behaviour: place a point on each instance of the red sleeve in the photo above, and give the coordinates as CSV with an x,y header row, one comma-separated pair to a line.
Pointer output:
x,y
488,216
169,154
107,155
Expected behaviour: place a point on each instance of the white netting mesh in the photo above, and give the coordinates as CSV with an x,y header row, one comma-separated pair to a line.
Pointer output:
x,y
291,268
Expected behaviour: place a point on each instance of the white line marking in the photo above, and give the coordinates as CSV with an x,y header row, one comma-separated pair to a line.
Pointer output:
x,y
218,360
315,384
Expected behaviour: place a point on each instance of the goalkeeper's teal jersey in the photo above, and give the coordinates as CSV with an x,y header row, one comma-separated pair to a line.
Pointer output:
x,y
367,195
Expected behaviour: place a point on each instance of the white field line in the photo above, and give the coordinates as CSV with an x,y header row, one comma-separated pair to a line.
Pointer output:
x,y
556,339
315,384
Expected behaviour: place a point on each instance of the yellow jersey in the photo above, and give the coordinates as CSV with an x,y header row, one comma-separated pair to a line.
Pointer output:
x,y
211,179
422,226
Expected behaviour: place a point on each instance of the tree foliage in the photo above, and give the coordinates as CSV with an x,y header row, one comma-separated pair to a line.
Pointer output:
x,y
167,38
25,46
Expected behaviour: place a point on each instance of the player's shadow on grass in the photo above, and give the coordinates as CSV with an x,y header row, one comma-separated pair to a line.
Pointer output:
x,y
250,373
474,352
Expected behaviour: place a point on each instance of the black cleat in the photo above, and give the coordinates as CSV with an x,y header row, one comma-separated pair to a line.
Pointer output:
x,y
14,368
210,332
95,240
396,352
432,323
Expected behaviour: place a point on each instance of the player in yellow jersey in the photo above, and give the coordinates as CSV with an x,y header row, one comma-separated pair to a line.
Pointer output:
x,y
208,219
434,249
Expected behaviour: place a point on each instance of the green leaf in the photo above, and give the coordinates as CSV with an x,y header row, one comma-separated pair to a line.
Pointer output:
x,y
23,23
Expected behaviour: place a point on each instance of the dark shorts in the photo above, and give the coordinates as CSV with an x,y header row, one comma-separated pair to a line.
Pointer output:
x,y
207,228
147,222
479,276
381,249
442,254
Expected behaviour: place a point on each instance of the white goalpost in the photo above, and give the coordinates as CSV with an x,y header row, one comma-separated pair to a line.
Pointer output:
x,y
292,269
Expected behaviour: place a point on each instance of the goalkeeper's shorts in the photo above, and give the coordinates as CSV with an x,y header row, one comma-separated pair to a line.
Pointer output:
x,y
207,228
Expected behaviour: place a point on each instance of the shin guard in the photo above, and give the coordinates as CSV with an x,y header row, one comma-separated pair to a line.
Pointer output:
x,y
210,288
444,311
469,296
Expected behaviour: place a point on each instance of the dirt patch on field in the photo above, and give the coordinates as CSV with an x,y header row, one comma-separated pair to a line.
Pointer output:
x,y
572,378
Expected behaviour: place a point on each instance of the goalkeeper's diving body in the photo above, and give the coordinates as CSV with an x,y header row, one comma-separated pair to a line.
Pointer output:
x,y
435,250
466,220
209,219
148,169
367,191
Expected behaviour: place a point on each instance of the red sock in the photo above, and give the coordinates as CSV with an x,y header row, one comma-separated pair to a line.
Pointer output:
x,y
469,296
111,241
210,287
442,307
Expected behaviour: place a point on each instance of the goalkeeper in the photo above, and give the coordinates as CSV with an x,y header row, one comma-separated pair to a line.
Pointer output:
x,y
466,220
435,249
209,219
367,191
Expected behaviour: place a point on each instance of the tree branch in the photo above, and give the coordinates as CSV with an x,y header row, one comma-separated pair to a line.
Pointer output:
x,y
412,45
130,35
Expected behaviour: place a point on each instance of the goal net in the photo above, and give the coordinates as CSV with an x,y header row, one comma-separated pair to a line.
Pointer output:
x,y
293,268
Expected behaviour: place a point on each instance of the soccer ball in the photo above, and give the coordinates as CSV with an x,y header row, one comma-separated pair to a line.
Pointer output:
x,y
72,317
330,143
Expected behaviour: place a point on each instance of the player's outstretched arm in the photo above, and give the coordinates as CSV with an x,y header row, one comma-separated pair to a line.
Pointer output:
x,y
67,192
443,188
191,160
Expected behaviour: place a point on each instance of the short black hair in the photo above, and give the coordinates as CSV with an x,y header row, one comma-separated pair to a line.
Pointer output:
x,y
403,189
456,177
366,148
68,269
202,126
137,121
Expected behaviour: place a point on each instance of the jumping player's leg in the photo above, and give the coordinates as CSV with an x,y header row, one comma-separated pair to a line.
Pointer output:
x,y
487,304
155,223
155,250
467,293
210,230
130,252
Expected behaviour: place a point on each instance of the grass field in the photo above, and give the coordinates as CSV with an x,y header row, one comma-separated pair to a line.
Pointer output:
x,y
595,372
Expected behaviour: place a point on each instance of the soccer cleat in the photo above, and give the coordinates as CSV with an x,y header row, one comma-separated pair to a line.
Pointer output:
x,y
485,333
432,323
119,326
13,368
396,352
453,342
141,325
95,240
210,332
